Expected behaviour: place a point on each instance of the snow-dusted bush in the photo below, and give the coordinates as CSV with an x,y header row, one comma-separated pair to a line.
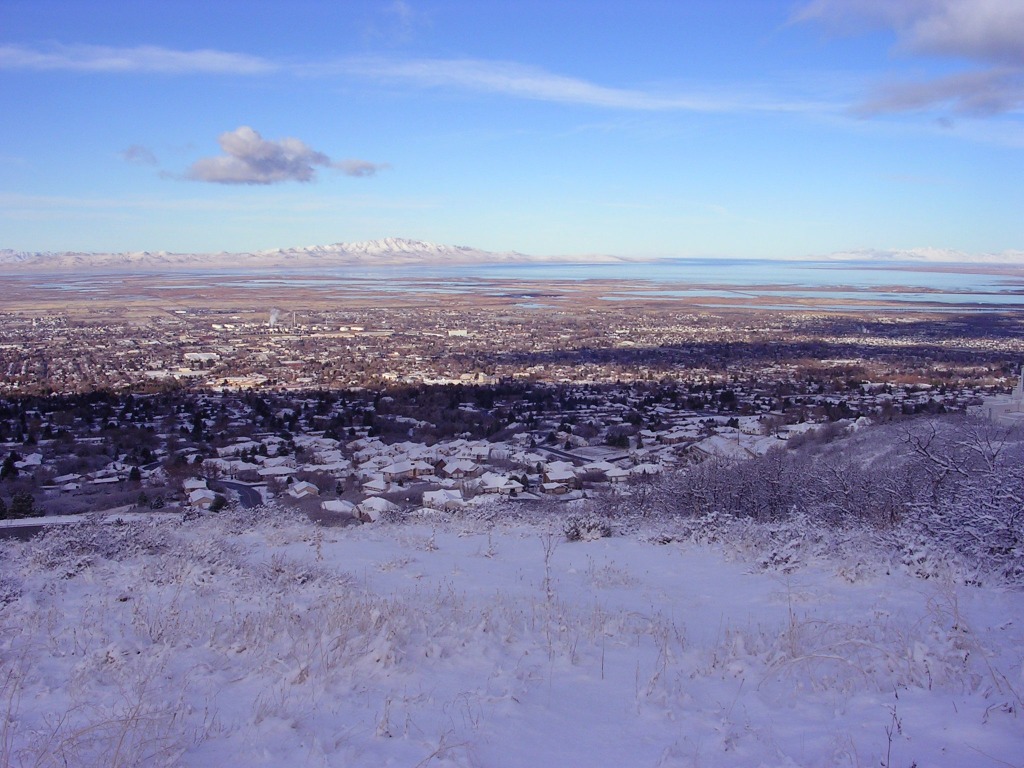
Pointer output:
x,y
939,495
68,549
586,528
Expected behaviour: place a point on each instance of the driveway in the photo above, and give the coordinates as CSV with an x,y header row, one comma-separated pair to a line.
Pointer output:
x,y
248,495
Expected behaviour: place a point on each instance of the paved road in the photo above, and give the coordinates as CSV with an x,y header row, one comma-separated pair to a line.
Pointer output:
x,y
23,532
27,528
578,460
248,495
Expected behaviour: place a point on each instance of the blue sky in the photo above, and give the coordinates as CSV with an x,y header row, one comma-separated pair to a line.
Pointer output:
x,y
751,128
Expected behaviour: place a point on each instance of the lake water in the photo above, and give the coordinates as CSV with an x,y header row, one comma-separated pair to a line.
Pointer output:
x,y
847,285
835,284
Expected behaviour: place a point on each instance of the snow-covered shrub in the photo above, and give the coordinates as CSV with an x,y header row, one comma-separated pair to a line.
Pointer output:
x,y
968,505
238,519
69,549
943,495
10,588
585,528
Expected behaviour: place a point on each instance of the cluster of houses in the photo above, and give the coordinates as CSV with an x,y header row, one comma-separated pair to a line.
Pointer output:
x,y
367,477
545,442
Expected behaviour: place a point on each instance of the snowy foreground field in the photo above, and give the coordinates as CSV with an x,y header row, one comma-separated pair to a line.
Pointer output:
x,y
260,639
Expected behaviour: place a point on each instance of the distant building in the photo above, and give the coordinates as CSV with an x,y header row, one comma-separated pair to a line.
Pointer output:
x,y
1006,410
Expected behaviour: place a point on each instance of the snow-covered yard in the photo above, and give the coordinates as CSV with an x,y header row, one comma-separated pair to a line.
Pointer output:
x,y
248,640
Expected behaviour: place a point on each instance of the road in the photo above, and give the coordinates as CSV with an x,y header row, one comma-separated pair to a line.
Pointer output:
x,y
248,495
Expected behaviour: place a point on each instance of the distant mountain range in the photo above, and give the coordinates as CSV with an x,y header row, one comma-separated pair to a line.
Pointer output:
x,y
927,256
396,251
391,251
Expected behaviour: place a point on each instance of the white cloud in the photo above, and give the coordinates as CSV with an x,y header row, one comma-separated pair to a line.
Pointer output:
x,y
142,59
250,159
358,167
989,30
987,92
985,32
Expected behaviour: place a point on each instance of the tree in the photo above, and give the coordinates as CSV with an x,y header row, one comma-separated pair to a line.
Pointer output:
x,y
8,471
3,509
135,476
24,505
197,427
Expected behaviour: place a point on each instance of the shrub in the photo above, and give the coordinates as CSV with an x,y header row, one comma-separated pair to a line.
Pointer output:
x,y
586,528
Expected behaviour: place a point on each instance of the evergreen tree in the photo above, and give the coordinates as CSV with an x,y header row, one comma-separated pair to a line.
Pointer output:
x,y
7,470
24,505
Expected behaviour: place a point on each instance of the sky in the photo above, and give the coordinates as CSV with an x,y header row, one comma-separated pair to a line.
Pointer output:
x,y
705,128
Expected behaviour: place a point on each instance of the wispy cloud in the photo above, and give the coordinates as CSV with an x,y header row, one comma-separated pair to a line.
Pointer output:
x,y
250,159
141,59
15,205
139,155
521,81
405,18
989,33
497,77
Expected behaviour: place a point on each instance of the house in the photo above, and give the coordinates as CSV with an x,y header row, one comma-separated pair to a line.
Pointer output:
x,y
278,461
422,469
617,475
676,437
376,484
646,470
370,510
278,471
559,466
402,470
722,447
599,468
480,452
556,489
32,460
301,489
201,498
459,469
338,506
564,477
492,482
446,500
193,484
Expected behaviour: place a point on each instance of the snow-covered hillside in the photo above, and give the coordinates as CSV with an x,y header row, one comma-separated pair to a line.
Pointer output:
x,y
257,638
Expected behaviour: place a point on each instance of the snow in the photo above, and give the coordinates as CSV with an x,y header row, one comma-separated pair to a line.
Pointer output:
x,y
258,638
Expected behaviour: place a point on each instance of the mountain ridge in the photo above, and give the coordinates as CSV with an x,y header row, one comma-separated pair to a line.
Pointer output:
x,y
398,251
390,251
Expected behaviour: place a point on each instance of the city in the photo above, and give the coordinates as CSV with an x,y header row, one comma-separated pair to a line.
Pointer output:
x,y
527,402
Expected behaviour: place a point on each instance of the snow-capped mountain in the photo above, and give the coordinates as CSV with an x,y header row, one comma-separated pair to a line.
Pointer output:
x,y
391,251
394,250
